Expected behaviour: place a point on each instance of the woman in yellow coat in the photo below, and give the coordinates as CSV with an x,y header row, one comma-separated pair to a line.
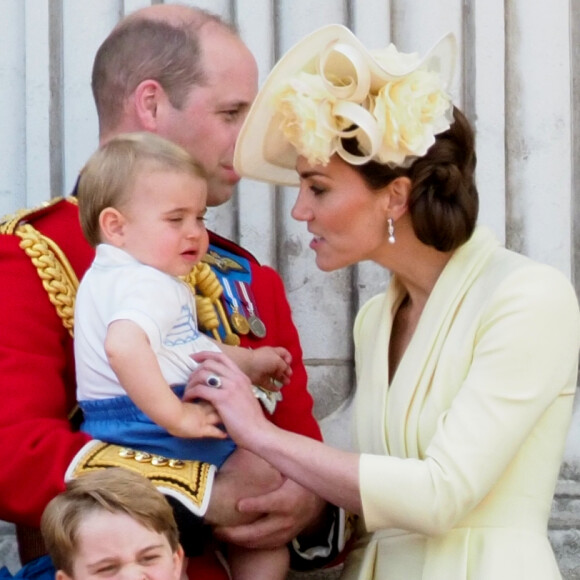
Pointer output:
x,y
466,365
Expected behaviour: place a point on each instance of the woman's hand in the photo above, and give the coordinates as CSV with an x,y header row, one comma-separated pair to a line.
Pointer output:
x,y
332,474
234,400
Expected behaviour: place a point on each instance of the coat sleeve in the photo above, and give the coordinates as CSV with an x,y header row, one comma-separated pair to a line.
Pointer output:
x,y
38,391
509,416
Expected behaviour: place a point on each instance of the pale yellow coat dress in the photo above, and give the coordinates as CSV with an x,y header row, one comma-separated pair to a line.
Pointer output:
x,y
461,453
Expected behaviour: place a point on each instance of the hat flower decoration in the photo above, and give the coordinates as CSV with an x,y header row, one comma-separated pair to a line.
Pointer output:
x,y
329,87
394,123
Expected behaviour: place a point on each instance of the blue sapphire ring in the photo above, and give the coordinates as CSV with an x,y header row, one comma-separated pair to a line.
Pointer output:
x,y
213,381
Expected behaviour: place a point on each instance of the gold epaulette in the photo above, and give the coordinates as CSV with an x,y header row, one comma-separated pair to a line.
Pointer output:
x,y
57,275
10,222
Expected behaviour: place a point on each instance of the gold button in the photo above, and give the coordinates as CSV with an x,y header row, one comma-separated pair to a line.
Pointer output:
x,y
127,453
143,457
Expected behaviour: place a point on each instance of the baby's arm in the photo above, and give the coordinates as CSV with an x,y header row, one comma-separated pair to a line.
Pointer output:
x,y
262,365
135,364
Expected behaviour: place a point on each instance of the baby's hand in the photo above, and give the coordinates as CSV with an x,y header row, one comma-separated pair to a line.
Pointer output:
x,y
270,367
199,419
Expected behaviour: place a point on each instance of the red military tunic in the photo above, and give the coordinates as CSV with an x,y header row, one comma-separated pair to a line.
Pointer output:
x,y
37,373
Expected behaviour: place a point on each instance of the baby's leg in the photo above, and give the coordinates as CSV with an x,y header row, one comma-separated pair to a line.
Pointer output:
x,y
248,564
243,474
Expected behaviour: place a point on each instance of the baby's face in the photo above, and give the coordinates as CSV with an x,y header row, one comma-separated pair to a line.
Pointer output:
x,y
164,221
117,547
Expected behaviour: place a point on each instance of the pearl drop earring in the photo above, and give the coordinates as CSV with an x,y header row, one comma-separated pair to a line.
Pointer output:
x,y
391,230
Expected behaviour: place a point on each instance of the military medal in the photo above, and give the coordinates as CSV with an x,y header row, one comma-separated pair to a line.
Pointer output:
x,y
257,327
239,322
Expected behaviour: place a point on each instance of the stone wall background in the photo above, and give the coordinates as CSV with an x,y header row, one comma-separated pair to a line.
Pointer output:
x,y
517,79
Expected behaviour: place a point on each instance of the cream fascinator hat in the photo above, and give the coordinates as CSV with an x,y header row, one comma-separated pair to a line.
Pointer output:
x,y
329,87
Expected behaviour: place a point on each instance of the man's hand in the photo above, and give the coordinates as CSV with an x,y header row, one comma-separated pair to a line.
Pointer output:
x,y
283,514
242,475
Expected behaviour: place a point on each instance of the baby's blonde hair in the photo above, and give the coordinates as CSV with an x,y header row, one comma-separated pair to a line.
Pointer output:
x,y
107,177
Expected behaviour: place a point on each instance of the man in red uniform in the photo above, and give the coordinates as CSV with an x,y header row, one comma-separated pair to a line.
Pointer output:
x,y
184,74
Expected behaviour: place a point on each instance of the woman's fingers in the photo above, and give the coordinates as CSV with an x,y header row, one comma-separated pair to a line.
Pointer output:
x,y
208,356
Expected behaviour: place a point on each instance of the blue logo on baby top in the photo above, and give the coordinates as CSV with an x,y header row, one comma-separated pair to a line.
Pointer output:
x,y
184,330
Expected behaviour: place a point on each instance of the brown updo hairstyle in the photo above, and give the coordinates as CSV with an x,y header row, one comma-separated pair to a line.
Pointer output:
x,y
443,203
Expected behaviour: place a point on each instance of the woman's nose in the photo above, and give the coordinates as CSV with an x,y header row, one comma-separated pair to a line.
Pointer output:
x,y
300,210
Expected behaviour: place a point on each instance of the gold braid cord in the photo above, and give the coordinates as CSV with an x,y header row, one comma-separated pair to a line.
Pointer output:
x,y
57,275
202,279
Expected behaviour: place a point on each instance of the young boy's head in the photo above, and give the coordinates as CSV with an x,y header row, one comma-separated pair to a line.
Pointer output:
x,y
112,523
145,195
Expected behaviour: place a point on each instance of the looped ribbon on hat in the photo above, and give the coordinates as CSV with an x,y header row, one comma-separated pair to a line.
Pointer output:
x,y
350,107
390,102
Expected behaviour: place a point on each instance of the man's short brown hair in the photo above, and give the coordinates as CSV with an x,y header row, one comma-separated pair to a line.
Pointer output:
x,y
144,48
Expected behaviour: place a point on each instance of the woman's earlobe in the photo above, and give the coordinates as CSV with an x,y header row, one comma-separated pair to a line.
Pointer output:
x,y
112,225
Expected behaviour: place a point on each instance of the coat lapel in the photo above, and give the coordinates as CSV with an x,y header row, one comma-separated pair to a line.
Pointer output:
x,y
403,402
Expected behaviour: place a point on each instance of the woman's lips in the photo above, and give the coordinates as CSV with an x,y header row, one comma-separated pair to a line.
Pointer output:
x,y
316,242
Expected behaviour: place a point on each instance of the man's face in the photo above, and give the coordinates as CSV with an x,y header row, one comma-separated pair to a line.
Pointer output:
x,y
209,123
